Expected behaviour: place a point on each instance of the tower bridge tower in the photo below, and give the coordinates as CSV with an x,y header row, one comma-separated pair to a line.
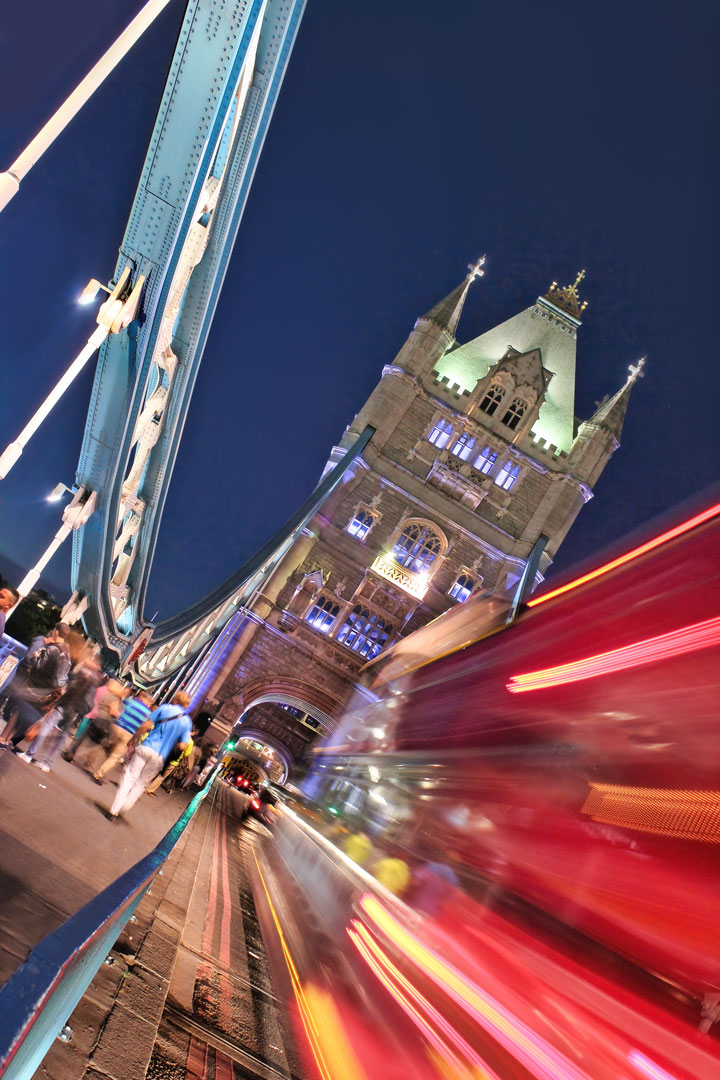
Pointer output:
x,y
476,454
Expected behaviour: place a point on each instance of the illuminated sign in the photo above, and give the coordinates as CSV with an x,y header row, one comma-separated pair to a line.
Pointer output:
x,y
415,584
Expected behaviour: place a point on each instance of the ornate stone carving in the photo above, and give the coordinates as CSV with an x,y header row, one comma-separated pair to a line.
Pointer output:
x,y
415,584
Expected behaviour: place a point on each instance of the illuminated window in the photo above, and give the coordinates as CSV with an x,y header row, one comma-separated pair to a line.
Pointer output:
x,y
417,547
364,632
507,476
361,524
440,434
464,446
323,614
462,588
485,460
492,399
515,413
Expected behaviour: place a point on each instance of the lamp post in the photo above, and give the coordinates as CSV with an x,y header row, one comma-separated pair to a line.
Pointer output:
x,y
10,180
112,318
75,514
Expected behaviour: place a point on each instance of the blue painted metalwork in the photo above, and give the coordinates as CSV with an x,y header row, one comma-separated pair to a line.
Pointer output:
x,y
39,997
219,97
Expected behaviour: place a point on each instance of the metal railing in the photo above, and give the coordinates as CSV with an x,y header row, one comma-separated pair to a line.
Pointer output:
x,y
11,653
39,997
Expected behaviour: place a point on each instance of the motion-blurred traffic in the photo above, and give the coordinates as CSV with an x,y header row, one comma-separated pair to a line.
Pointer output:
x,y
506,865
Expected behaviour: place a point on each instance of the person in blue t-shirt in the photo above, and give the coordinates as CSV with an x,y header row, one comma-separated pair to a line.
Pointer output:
x,y
171,728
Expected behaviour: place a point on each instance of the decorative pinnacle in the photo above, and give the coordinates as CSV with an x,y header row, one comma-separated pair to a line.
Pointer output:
x,y
636,370
476,268
567,298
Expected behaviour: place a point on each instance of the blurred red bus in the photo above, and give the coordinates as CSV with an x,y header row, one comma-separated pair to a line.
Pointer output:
x,y
556,782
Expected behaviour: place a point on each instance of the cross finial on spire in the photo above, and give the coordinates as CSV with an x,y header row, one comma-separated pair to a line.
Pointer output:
x,y
567,298
636,370
476,268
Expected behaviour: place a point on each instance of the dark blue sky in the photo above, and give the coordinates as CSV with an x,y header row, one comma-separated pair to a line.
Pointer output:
x,y
409,137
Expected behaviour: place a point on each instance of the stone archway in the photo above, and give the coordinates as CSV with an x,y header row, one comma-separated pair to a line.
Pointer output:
x,y
297,703
283,719
280,767
302,694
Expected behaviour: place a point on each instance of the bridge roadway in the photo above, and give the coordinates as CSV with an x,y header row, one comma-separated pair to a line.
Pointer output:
x,y
185,992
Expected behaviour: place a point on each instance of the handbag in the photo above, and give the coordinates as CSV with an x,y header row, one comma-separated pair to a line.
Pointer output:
x,y
95,732
34,730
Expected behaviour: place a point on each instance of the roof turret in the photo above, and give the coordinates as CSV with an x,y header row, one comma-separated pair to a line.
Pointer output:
x,y
610,414
448,311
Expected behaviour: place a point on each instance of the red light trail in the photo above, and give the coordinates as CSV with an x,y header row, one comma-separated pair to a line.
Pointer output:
x,y
688,639
649,545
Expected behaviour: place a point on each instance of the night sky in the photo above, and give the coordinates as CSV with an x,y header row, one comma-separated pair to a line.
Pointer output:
x,y
409,138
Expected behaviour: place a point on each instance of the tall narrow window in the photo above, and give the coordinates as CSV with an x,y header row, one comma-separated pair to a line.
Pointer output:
x,y
364,632
507,475
485,460
464,446
515,413
492,399
440,434
462,588
361,524
323,614
417,547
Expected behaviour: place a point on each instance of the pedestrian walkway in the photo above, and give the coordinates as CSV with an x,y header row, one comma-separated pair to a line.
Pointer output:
x,y
57,850
185,992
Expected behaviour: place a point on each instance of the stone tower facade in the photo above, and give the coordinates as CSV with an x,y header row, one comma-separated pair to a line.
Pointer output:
x,y
476,454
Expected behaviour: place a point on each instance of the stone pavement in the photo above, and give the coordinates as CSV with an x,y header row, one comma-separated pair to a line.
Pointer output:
x,y
57,850
185,992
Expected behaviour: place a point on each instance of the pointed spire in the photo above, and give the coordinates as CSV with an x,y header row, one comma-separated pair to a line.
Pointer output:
x,y
611,412
447,313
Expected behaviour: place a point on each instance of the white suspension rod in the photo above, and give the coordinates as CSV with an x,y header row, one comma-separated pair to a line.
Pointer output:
x,y
10,180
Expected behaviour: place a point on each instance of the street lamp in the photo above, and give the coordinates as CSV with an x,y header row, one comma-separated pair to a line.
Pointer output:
x,y
114,316
57,493
75,514
91,290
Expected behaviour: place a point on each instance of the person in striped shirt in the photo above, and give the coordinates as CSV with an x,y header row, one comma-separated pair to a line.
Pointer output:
x,y
135,712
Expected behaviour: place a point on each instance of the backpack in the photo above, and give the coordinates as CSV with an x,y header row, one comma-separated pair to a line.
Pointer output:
x,y
43,677
48,668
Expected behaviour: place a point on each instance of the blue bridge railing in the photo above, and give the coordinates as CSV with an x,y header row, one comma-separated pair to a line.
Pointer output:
x,y
39,997
11,653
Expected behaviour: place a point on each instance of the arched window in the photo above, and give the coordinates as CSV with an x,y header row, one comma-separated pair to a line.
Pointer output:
x,y
417,547
440,434
492,399
507,476
464,446
361,524
323,613
485,460
515,413
364,632
462,587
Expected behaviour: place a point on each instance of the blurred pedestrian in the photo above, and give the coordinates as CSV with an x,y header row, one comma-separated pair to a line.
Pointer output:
x,y
136,710
76,700
37,684
171,731
196,763
106,709
176,767
8,599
